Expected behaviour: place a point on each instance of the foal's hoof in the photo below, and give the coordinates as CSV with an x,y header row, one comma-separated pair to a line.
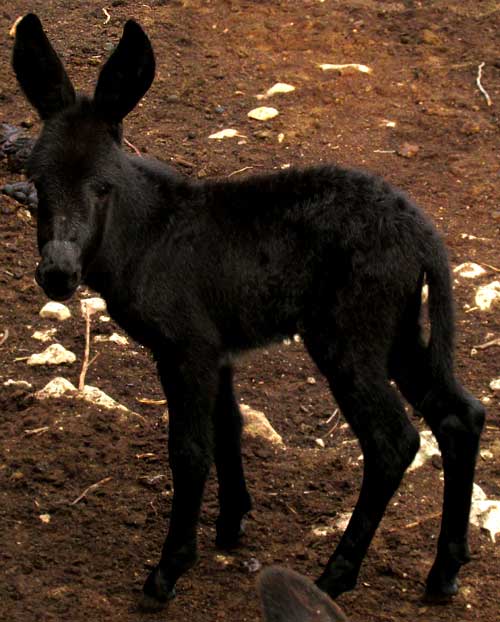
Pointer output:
x,y
229,534
439,591
156,592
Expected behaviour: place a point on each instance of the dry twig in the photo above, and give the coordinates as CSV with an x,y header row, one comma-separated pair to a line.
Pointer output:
x,y
488,344
481,263
85,364
91,489
37,430
241,170
416,523
480,86
108,16
150,402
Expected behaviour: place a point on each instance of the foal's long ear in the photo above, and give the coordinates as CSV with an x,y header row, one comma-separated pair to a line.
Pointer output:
x,y
39,70
126,76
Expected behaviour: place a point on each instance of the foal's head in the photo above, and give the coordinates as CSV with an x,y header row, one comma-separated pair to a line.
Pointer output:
x,y
75,163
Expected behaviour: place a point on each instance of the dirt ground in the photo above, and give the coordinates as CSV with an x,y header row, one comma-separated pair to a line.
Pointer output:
x,y
85,561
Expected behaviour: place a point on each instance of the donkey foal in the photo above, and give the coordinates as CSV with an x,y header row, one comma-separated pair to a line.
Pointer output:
x,y
198,272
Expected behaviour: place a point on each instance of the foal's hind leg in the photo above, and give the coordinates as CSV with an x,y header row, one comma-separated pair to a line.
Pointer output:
x,y
456,418
234,499
389,443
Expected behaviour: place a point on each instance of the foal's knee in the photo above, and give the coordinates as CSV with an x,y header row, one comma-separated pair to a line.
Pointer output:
x,y
395,454
463,421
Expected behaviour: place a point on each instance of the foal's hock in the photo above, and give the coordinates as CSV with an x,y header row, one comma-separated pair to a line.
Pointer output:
x,y
200,271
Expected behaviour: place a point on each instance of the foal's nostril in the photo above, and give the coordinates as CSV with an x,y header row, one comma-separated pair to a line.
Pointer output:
x,y
58,284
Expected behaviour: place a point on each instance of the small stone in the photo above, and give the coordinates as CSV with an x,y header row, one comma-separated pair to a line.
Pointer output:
x,y
263,113
226,133
45,518
264,135
429,37
495,384
44,335
56,354
311,380
252,565
408,150
256,425
55,311
56,388
469,270
92,305
488,296
437,461
18,384
279,87
320,442
469,128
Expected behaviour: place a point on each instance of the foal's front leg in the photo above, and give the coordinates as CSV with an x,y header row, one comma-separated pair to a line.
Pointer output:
x,y
191,390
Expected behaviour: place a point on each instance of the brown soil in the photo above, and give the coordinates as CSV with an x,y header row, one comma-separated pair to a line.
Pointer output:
x,y
89,561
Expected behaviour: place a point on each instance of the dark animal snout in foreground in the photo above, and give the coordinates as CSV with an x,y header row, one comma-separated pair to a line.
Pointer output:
x,y
287,596
201,271
59,271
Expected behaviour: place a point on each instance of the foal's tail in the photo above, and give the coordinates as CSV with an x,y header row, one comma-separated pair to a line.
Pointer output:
x,y
441,315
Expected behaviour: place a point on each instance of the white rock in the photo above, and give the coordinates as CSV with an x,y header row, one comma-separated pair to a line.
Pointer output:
x,y
55,354
104,318
45,518
488,295
99,398
495,384
227,133
18,384
56,388
428,448
60,386
256,425
115,338
345,68
263,113
320,442
279,87
469,270
92,305
485,513
44,335
55,311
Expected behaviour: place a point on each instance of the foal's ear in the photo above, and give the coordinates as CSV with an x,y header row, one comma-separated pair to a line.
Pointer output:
x,y
126,76
39,69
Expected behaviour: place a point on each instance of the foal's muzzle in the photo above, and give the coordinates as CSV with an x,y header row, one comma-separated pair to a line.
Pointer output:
x,y
59,272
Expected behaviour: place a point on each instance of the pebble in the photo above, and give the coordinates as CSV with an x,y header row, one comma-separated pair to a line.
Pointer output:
x,y
263,113
92,305
488,296
55,354
23,192
408,150
55,311
430,37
